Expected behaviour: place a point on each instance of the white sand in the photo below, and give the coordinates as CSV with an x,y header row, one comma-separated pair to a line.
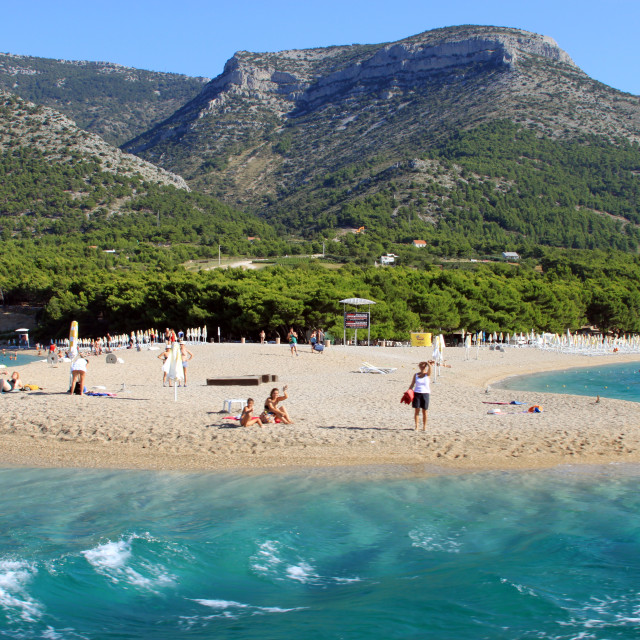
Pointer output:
x,y
342,417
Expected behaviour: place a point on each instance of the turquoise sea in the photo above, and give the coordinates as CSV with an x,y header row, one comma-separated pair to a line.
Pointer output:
x,y
621,381
320,554
20,360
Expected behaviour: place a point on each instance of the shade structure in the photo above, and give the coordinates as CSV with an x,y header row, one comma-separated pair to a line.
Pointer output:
x,y
356,302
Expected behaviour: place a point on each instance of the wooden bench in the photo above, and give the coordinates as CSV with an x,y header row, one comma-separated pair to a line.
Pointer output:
x,y
241,381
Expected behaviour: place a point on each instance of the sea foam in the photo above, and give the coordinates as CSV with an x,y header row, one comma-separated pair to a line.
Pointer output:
x,y
15,600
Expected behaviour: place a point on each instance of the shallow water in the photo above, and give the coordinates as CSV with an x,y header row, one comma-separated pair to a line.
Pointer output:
x,y
321,554
621,381
11,359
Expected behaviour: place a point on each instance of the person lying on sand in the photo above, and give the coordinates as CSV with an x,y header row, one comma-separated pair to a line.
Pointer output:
x,y
13,383
272,411
247,418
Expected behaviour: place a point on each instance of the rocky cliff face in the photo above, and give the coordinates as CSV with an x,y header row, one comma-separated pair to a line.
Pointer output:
x,y
273,122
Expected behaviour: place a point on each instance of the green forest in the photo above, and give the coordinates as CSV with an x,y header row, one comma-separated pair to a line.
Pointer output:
x,y
123,292
109,250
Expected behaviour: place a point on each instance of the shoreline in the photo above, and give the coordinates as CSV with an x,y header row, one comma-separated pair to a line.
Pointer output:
x,y
343,418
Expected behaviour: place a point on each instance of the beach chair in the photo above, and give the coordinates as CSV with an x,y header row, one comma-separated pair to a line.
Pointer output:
x,y
369,368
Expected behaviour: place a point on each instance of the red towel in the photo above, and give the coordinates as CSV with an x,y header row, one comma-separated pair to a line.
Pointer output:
x,y
407,398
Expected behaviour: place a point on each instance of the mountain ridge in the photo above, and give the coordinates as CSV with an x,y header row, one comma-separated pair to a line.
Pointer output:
x,y
112,100
267,132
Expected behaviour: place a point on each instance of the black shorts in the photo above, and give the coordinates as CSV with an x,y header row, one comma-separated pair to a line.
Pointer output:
x,y
420,401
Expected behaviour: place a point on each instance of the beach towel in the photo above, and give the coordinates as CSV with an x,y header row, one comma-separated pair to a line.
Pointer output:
x,y
100,394
407,397
535,409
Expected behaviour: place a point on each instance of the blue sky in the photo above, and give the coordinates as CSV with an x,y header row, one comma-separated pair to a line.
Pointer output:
x,y
196,37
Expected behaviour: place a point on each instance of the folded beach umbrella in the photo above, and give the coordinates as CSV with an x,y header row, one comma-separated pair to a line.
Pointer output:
x,y
176,370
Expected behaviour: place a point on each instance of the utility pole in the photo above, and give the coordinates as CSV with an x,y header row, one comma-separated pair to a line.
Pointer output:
x,y
218,255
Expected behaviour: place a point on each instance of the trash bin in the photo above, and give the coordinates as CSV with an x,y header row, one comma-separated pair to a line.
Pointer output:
x,y
241,340
278,340
327,343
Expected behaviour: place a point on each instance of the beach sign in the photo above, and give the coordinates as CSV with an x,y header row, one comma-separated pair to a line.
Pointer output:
x,y
420,339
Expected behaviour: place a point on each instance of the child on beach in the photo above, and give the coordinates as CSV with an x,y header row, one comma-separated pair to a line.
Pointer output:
x,y
247,418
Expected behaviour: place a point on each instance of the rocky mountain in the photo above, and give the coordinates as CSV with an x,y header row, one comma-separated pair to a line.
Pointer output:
x,y
58,139
113,101
273,131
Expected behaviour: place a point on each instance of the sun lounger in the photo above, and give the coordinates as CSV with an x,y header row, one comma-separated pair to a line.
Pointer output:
x,y
369,368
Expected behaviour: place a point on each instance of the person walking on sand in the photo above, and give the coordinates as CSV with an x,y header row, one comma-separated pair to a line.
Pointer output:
x,y
262,336
164,356
186,356
247,418
421,385
292,337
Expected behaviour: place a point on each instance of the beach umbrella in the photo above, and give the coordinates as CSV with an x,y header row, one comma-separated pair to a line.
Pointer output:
x,y
176,370
73,348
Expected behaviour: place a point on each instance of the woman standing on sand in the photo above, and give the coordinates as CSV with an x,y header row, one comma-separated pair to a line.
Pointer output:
x,y
421,385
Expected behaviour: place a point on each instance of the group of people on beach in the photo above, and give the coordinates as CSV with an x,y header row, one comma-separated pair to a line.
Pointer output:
x,y
316,341
165,356
273,410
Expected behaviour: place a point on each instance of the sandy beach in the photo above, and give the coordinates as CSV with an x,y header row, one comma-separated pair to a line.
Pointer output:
x,y
342,417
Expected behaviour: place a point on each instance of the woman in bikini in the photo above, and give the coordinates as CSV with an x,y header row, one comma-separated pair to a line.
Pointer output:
x,y
271,409
13,383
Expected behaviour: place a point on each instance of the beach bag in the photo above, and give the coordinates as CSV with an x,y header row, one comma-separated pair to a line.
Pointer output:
x,y
318,347
267,417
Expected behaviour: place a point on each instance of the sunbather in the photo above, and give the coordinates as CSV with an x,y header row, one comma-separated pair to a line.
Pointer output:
x,y
13,383
272,411
247,418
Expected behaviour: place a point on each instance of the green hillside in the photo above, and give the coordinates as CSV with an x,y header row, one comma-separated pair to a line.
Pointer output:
x,y
116,102
497,187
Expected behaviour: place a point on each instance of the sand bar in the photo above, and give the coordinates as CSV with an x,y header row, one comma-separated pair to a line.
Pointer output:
x,y
342,417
